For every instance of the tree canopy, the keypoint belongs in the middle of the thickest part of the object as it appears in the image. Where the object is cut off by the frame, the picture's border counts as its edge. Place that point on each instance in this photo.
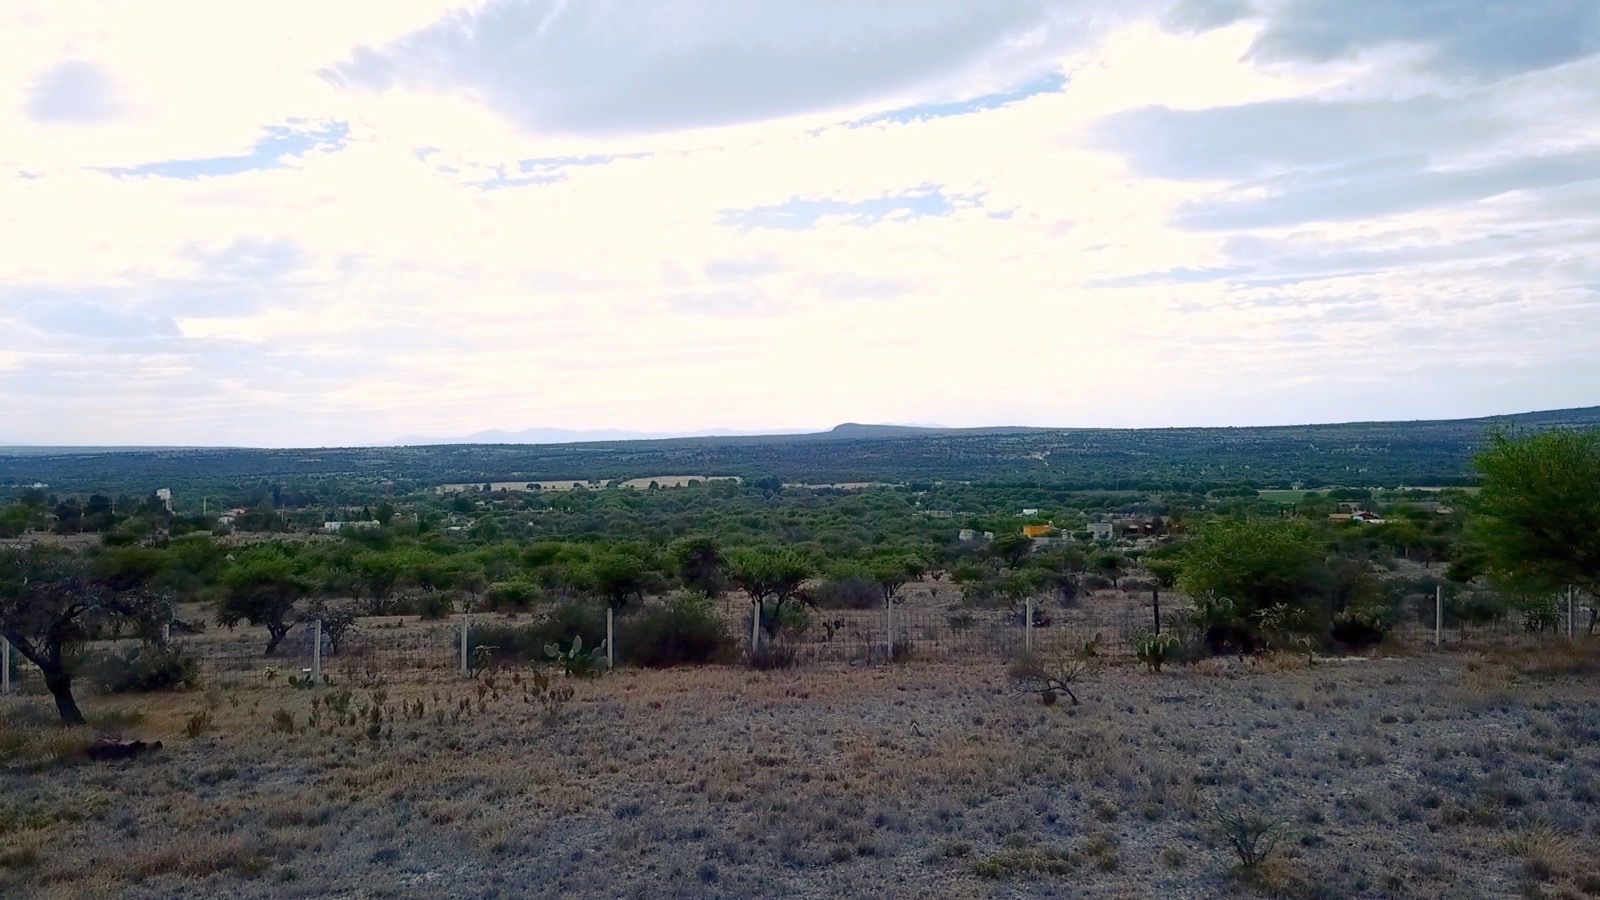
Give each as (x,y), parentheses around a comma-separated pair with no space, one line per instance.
(1537,517)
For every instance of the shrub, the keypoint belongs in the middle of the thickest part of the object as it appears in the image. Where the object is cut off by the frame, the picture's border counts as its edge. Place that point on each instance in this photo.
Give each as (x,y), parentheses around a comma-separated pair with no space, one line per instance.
(1048,677)
(573,619)
(1360,627)
(775,654)
(847,592)
(1221,627)
(685,631)
(519,644)
(1540,615)
(1479,608)
(435,605)
(1251,835)
(514,594)
(143,668)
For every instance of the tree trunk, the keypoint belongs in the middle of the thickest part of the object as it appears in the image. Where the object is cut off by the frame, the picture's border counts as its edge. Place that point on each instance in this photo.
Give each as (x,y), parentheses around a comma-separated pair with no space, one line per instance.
(59,681)
(275,637)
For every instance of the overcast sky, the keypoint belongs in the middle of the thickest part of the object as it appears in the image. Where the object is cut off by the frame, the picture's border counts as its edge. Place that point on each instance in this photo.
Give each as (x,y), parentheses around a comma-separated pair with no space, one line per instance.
(310,222)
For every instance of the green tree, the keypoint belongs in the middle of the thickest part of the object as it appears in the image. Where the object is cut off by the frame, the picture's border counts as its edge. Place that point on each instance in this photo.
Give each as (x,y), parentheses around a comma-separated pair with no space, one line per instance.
(1249,566)
(770,578)
(892,571)
(699,563)
(51,602)
(617,576)
(1537,516)
(1061,571)
(1011,548)
(264,583)
(1111,565)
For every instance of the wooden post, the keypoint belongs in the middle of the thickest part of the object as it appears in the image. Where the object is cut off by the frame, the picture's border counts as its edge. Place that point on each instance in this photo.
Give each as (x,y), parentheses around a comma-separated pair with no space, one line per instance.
(1438,615)
(464,644)
(611,640)
(1155,601)
(316,651)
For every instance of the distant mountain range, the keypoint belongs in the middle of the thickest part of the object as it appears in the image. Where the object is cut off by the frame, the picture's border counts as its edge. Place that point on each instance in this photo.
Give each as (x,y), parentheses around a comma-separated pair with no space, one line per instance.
(1359,453)
(845,431)
(564,436)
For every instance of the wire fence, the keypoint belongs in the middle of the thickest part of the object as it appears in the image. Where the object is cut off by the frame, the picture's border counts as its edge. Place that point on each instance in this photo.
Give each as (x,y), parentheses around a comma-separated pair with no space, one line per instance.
(871,636)
(396,646)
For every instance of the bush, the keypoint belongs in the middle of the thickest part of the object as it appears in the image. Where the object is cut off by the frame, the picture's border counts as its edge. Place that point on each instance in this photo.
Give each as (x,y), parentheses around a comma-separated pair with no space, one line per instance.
(143,668)
(574,618)
(506,644)
(1097,583)
(1477,609)
(1220,626)
(685,631)
(1360,627)
(847,592)
(435,605)
(514,594)
(775,654)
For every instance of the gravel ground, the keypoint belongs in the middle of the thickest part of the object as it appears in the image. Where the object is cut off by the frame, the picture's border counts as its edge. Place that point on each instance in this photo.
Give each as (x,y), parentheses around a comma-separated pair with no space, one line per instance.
(1463,774)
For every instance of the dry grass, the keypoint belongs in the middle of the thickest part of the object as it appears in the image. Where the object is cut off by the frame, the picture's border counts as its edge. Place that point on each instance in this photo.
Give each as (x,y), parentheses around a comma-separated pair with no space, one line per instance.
(1431,776)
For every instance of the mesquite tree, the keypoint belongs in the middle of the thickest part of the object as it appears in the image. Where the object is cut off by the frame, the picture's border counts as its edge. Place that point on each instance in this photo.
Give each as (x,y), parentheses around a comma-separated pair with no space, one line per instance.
(51,603)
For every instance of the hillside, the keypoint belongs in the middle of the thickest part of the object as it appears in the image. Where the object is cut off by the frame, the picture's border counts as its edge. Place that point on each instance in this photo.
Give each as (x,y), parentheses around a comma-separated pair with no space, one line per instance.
(1366,453)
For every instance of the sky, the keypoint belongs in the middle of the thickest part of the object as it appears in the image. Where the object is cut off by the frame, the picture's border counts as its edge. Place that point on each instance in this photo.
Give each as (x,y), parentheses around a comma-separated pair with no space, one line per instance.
(310,223)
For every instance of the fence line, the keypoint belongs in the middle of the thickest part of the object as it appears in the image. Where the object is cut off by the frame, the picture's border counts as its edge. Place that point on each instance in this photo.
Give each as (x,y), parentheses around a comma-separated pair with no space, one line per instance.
(389,646)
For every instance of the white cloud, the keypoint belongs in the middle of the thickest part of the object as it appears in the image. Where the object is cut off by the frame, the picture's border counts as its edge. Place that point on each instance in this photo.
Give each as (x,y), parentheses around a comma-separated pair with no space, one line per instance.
(1224,221)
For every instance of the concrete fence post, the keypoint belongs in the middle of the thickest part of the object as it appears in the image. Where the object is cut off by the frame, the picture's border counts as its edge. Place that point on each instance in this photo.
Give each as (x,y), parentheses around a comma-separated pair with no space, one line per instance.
(316,650)
(611,639)
(755,627)
(464,644)
(888,628)
(1027,627)
(1438,615)
(5,666)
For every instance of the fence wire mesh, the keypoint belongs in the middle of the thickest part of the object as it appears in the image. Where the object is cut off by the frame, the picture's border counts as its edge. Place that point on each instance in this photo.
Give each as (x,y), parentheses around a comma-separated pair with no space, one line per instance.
(391,646)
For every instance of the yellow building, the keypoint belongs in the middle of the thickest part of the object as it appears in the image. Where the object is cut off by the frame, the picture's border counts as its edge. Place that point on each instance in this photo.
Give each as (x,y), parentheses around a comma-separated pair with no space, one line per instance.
(1033,531)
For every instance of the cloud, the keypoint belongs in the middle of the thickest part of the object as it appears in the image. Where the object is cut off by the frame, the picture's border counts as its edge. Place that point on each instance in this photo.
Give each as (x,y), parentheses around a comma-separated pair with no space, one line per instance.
(84,319)
(257,255)
(252,258)
(1484,38)
(1246,140)
(1045,84)
(637,66)
(1386,188)
(277,146)
(1194,16)
(741,268)
(802,213)
(72,92)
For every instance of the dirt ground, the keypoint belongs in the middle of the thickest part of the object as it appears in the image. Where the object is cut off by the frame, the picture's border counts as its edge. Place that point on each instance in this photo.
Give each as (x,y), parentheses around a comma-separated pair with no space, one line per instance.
(1470,773)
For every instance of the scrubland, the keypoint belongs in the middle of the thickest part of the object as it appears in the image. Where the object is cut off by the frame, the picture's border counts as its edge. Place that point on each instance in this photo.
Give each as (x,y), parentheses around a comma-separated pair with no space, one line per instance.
(1468,773)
